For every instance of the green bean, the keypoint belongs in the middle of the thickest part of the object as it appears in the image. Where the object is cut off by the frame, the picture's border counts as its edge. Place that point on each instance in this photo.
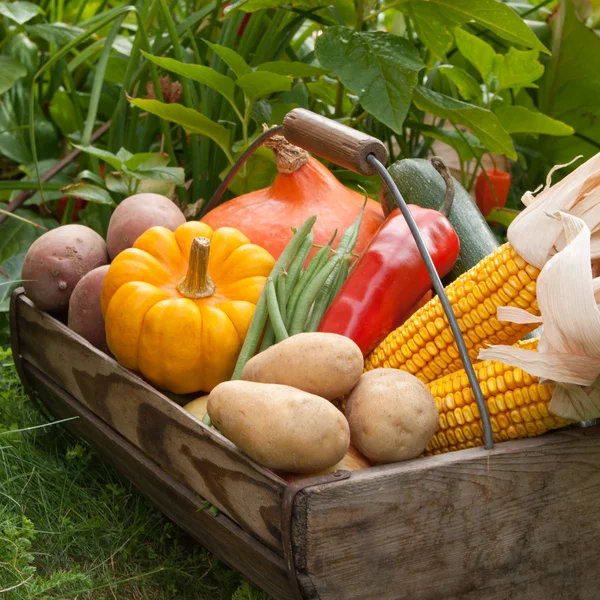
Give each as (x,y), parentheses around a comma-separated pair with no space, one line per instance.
(320,304)
(297,265)
(282,291)
(314,266)
(259,319)
(343,275)
(274,313)
(268,338)
(311,290)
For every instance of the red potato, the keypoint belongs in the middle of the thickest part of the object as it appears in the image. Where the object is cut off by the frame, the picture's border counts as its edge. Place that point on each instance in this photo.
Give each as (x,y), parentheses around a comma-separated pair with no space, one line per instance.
(135,215)
(85,316)
(56,262)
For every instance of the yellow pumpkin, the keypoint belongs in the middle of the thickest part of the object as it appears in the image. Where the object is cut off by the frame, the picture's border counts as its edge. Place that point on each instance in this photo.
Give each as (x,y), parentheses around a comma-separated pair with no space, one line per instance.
(177,306)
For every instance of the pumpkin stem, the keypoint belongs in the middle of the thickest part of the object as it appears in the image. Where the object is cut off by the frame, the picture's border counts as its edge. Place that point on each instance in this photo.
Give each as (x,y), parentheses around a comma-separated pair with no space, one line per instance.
(197,283)
(289,157)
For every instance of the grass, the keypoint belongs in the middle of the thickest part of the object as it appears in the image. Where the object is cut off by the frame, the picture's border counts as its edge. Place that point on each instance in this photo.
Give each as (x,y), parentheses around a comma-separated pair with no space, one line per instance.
(72,527)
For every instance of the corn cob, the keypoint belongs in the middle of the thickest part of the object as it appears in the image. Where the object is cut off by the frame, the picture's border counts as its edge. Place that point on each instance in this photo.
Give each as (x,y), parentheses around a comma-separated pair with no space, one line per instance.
(424,344)
(517,402)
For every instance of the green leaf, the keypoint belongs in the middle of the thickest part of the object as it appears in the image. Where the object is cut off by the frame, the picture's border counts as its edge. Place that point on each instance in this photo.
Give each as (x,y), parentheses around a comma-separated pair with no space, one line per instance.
(90,192)
(89,176)
(116,182)
(326,93)
(171,174)
(467,86)
(518,119)
(231,58)
(261,84)
(518,68)
(570,87)
(479,53)
(466,144)
(380,68)
(62,110)
(10,70)
(107,157)
(483,123)
(192,121)
(436,19)
(19,12)
(291,68)
(200,73)
(147,160)
(250,6)
(124,155)
(55,33)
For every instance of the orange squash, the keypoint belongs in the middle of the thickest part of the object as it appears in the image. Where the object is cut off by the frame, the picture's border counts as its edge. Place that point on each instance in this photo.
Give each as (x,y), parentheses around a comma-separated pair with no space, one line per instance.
(302,188)
(177,306)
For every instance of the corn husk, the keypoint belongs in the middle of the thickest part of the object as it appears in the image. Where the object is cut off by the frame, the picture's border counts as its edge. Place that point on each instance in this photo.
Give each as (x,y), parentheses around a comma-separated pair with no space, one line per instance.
(568,353)
(537,238)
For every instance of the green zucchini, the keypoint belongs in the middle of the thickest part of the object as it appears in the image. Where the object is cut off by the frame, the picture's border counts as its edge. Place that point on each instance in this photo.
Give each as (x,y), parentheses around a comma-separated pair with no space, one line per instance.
(420,184)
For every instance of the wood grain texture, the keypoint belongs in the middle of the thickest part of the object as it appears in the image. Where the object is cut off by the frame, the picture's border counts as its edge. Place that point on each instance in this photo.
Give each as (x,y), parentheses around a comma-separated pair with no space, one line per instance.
(521,522)
(333,141)
(185,448)
(218,534)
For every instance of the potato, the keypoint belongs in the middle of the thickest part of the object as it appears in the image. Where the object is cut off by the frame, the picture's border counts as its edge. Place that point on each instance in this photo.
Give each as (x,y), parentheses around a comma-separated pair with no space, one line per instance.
(279,426)
(392,415)
(198,407)
(353,460)
(57,260)
(135,215)
(85,316)
(325,364)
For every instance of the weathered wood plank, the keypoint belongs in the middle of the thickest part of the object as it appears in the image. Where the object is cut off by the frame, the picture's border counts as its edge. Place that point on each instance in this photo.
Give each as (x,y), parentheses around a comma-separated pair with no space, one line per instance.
(519,522)
(183,446)
(219,534)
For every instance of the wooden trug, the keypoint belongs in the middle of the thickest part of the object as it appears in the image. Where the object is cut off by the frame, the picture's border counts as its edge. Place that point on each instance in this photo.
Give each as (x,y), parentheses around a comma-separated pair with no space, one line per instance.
(520,522)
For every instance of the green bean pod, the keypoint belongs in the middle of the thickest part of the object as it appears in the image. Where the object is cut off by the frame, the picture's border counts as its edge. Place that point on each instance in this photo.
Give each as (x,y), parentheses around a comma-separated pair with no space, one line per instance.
(274,313)
(282,291)
(259,319)
(295,270)
(268,337)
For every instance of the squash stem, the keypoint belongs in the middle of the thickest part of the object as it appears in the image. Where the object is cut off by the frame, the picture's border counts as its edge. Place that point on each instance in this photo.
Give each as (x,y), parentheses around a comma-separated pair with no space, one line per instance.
(197,283)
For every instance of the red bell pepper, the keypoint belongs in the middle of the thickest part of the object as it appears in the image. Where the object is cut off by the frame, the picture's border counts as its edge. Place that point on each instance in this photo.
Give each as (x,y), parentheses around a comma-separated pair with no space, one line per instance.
(390,277)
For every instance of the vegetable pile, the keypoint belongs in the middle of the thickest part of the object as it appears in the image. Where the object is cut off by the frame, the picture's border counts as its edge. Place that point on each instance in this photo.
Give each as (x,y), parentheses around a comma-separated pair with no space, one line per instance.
(304,314)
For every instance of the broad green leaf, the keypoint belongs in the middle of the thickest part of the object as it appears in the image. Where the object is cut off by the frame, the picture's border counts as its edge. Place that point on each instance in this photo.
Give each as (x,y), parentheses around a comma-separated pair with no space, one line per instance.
(479,53)
(171,174)
(124,155)
(435,21)
(192,121)
(62,110)
(147,160)
(380,68)
(10,70)
(518,68)
(231,58)
(465,143)
(518,119)
(89,176)
(326,93)
(55,33)
(291,68)
(467,86)
(117,183)
(200,73)
(482,123)
(96,217)
(88,191)
(107,157)
(19,12)
(570,88)
(261,84)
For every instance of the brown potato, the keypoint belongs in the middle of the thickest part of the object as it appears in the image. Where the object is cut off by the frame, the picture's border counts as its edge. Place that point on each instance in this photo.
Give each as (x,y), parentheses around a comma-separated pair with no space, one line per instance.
(135,215)
(392,415)
(56,262)
(85,316)
(325,364)
(280,427)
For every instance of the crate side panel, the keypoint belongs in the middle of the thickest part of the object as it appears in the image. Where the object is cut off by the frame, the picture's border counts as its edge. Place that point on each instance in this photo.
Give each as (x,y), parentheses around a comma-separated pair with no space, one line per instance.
(191,452)
(521,522)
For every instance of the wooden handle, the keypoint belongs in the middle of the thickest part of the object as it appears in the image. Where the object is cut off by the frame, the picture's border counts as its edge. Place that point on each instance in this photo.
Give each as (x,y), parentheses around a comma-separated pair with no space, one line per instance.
(333,141)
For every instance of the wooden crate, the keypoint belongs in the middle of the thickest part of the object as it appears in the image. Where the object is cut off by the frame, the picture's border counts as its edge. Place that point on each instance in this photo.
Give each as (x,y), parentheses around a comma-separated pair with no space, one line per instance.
(519,522)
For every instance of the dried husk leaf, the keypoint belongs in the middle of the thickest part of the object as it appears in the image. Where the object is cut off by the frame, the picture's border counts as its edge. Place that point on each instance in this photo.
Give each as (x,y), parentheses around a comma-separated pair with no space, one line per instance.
(577,194)
(568,353)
